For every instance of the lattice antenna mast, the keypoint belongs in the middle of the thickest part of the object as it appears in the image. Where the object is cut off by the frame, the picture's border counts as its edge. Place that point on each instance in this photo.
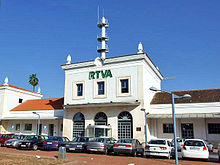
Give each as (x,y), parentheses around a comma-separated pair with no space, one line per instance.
(103,24)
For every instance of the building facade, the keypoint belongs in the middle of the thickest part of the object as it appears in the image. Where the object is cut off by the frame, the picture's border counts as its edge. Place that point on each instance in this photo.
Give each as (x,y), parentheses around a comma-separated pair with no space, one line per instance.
(107,100)
(16,112)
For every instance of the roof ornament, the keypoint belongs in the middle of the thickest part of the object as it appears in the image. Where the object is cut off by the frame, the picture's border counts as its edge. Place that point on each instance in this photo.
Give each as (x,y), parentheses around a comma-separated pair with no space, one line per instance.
(140,48)
(98,61)
(68,59)
(6,81)
(38,90)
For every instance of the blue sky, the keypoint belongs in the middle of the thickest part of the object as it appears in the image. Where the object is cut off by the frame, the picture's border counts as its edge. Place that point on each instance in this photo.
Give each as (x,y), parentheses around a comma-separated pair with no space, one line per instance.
(181,37)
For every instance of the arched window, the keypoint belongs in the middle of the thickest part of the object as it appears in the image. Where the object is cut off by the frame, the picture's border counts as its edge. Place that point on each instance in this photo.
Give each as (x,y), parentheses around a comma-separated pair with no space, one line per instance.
(78,125)
(125,125)
(100,119)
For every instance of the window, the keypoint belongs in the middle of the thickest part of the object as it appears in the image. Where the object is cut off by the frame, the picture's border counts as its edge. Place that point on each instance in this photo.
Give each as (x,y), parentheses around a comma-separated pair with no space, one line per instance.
(79,89)
(125,125)
(124,86)
(101,88)
(167,128)
(28,127)
(78,125)
(214,128)
(20,100)
(17,127)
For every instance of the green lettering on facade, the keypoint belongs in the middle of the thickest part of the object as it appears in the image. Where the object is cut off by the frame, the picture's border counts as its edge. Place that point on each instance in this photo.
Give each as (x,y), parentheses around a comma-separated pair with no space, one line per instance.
(108,73)
(91,75)
(96,74)
(103,74)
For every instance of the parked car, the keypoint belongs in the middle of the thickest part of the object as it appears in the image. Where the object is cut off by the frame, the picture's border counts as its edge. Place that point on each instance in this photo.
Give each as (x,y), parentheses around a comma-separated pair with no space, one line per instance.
(195,148)
(4,137)
(159,147)
(180,142)
(54,142)
(32,142)
(209,145)
(219,152)
(101,144)
(128,146)
(78,144)
(14,142)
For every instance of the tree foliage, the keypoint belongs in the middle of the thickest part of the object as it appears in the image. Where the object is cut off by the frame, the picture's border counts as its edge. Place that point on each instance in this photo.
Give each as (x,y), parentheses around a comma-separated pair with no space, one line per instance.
(33,80)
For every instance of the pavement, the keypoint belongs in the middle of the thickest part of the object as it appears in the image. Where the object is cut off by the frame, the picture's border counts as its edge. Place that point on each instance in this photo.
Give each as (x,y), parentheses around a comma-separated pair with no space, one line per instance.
(100,159)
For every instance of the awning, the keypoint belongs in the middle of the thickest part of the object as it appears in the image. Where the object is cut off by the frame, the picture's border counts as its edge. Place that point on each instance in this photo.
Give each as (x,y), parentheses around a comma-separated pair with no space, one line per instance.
(105,104)
(185,115)
(99,126)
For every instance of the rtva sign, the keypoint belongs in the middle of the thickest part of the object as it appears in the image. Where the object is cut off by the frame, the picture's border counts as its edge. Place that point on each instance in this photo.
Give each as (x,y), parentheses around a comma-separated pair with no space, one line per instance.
(100,74)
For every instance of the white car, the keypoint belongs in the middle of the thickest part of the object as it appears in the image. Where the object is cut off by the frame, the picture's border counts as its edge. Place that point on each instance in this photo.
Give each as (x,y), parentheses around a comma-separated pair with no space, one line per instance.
(158,147)
(195,148)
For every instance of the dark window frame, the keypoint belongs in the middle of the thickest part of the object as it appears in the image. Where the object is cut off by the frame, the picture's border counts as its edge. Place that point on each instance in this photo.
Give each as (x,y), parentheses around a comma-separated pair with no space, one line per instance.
(17,127)
(101,88)
(28,127)
(124,85)
(79,87)
(167,128)
(213,128)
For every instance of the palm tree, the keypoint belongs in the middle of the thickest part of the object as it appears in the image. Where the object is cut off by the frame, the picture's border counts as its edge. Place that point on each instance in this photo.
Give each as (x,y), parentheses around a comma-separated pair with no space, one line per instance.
(33,80)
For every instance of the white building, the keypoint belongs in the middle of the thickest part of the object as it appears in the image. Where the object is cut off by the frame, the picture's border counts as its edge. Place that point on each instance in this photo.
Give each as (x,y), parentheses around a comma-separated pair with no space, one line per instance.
(197,117)
(16,111)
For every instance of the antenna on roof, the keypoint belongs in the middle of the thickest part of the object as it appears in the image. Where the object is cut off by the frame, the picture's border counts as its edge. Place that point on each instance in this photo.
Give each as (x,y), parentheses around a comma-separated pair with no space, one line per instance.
(103,38)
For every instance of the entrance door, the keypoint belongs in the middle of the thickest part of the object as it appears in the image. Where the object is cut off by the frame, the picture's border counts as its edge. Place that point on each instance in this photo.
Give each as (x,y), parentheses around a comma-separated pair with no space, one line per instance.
(124,130)
(51,129)
(40,131)
(99,132)
(187,130)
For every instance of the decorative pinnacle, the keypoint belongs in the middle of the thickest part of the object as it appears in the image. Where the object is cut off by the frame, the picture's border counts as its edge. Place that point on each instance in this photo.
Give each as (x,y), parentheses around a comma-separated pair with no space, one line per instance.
(38,90)
(6,81)
(68,59)
(140,48)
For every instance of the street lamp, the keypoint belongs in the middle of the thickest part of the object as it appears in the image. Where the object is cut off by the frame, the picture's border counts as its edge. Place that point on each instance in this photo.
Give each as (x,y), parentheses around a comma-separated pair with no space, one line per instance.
(38,123)
(145,114)
(173,113)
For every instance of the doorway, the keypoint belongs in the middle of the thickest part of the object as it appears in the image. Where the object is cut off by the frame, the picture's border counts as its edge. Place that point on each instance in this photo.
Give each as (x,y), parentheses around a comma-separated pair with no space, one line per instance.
(51,129)
(187,131)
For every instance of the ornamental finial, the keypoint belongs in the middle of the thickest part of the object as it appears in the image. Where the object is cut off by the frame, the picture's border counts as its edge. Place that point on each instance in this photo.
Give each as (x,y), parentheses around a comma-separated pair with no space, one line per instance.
(140,48)
(68,59)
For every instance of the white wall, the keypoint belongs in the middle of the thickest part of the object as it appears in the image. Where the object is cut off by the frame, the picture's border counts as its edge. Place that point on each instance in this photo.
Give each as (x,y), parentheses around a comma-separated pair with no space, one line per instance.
(9,98)
(12,124)
(200,128)
(117,70)
(1,102)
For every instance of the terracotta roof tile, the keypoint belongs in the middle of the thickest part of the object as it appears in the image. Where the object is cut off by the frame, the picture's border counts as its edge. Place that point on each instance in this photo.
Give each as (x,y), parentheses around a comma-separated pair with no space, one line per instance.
(12,86)
(197,96)
(40,104)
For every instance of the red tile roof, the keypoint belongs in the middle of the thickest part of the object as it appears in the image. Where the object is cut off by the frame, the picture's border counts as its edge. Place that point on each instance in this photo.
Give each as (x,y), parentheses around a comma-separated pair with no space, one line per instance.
(12,86)
(40,104)
(197,96)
